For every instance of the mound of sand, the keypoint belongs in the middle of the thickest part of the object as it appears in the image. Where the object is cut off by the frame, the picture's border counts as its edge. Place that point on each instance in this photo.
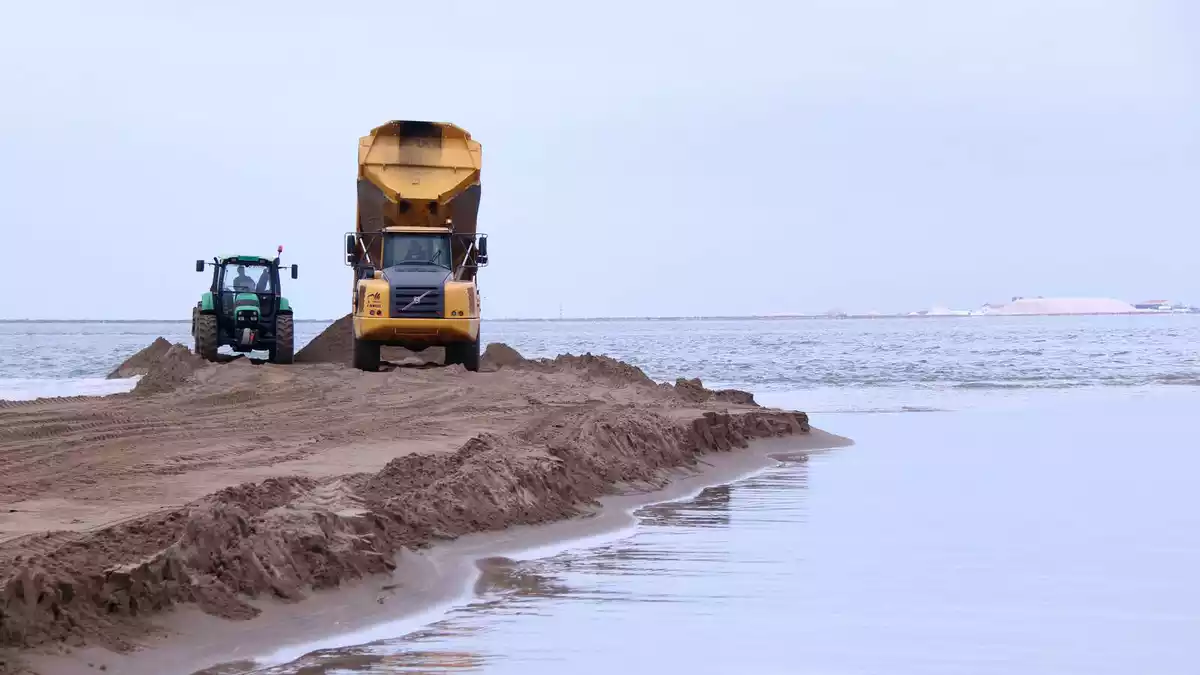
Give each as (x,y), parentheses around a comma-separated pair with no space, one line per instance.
(693,391)
(169,370)
(590,367)
(139,363)
(335,344)
(161,365)
(499,355)
(164,366)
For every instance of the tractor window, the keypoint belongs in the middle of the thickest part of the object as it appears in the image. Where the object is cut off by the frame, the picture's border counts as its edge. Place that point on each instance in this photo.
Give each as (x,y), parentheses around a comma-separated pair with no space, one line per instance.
(416,249)
(247,278)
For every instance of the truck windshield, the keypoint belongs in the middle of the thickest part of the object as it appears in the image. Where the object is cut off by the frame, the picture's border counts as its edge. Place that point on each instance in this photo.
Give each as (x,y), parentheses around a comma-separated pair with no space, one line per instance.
(247,277)
(416,249)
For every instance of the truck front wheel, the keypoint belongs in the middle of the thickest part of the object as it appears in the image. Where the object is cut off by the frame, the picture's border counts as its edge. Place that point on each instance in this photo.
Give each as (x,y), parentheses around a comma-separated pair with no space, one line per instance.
(471,356)
(466,353)
(366,355)
(206,336)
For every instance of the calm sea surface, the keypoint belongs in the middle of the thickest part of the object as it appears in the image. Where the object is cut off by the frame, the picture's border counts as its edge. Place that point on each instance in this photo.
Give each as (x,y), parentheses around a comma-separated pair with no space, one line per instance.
(1021,499)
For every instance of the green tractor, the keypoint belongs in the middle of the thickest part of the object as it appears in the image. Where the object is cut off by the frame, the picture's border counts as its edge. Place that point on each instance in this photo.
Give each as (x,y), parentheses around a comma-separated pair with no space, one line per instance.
(244,309)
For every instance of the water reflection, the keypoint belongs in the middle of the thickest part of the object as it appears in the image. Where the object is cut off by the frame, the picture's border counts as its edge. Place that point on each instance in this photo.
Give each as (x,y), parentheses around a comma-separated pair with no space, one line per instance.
(369,659)
(506,576)
(231,668)
(518,601)
(709,509)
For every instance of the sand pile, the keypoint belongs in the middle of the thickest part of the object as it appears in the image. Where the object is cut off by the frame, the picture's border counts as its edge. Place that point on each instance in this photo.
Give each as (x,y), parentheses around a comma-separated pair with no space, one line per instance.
(499,355)
(335,344)
(280,537)
(162,366)
(169,370)
(139,363)
(590,367)
(693,391)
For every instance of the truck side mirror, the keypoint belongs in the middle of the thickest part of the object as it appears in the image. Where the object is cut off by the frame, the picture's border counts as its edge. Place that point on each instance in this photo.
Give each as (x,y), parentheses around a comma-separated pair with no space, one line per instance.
(482,258)
(351,249)
(295,271)
(199,265)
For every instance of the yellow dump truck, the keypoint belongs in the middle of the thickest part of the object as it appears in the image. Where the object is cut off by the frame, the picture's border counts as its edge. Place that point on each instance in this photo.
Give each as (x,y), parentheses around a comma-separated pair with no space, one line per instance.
(415,250)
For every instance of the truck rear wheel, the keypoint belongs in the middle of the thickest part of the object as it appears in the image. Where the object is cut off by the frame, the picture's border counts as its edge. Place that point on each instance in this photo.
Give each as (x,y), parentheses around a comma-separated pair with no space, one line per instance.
(284,349)
(206,336)
(366,355)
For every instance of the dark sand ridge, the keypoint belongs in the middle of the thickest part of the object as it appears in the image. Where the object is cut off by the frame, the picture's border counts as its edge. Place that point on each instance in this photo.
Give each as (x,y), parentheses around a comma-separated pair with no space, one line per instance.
(212,485)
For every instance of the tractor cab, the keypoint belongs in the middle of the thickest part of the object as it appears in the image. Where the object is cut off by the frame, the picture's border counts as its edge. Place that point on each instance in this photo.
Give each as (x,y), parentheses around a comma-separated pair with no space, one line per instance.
(245,307)
(242,283)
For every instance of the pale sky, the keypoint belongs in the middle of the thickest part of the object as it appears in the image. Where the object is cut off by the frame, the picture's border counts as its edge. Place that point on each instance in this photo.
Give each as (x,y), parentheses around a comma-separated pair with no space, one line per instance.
(639,158)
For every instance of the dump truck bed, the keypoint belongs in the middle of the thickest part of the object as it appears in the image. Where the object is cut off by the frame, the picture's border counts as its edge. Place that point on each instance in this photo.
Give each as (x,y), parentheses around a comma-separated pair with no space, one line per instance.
(418,174)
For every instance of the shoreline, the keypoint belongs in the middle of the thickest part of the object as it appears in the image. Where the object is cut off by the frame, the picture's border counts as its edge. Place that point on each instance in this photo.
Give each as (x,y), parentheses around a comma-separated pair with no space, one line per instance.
(433,581)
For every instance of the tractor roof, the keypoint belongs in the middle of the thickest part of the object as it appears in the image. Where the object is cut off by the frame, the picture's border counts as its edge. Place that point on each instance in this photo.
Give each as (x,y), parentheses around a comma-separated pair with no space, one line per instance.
(250,259)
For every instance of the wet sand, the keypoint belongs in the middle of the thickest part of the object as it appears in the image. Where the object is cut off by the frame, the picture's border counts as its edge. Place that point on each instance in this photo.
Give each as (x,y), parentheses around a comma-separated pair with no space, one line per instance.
(233,491)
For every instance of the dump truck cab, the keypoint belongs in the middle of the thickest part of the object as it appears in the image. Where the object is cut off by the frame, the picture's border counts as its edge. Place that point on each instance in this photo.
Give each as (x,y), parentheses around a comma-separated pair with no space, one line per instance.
(244,308)
(415,250)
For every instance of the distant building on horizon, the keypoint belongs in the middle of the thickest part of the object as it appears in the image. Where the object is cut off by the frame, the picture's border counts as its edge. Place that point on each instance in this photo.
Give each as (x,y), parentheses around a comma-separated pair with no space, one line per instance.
(1155,305)
(1058,306)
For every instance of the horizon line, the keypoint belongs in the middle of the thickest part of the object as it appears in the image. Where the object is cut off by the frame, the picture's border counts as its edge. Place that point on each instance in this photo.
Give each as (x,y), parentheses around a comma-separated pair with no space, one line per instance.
(698,317)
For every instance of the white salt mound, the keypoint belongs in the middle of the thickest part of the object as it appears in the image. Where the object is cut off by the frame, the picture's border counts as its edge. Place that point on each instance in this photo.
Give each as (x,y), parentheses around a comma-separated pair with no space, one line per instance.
(1026,306)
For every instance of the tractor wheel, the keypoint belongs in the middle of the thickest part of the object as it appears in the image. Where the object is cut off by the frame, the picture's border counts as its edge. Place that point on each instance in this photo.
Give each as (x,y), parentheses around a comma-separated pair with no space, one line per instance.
(366,355)
(206,336)
(284,349)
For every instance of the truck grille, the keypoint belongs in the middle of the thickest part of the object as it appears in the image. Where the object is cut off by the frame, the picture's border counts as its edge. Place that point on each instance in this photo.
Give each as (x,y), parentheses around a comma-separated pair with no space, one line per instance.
(429,305)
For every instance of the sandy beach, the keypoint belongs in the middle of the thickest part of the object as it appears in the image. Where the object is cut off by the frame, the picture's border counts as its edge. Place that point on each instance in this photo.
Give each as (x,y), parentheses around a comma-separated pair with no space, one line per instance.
(215,497)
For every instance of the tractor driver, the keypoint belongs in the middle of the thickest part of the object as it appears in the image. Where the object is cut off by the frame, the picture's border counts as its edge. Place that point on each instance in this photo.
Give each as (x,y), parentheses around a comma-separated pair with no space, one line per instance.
(242,282)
